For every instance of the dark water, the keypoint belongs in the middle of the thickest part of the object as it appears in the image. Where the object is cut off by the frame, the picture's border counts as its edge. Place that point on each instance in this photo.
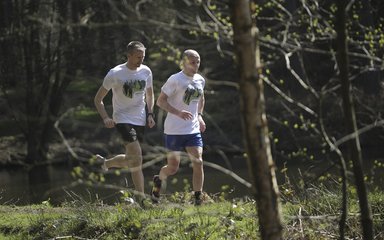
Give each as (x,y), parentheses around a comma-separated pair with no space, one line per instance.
(56,183)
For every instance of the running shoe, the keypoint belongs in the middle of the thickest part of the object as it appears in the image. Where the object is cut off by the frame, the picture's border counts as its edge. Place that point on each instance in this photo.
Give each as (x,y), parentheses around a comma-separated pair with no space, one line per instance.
(156,188)
(102,160)
(198,198)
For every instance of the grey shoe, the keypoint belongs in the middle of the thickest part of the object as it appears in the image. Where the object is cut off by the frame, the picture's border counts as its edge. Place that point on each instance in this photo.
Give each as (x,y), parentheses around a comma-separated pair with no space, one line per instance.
(102,160)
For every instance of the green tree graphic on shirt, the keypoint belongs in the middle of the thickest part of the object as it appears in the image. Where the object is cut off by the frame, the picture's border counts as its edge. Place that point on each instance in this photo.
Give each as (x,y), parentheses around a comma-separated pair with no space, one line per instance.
(191,93)
(132,87)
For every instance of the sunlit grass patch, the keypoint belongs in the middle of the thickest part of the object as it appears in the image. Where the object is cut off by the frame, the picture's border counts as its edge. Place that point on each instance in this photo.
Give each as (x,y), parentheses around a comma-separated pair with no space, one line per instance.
(176,218)
(86,113)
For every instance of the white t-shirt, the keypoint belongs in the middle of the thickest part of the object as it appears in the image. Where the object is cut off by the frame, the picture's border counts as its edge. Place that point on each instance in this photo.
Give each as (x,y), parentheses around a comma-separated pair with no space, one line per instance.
(183,93)
(128,88)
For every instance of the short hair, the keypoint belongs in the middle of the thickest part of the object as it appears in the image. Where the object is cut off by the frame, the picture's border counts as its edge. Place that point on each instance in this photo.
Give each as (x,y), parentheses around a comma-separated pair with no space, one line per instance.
(186,55)
(135,45)
(189,53)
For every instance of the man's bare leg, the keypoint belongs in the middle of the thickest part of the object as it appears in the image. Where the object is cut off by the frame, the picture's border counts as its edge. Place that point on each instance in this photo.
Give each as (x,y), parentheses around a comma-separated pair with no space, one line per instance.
(117,161)
(196,156)
(134,161)
(173,162)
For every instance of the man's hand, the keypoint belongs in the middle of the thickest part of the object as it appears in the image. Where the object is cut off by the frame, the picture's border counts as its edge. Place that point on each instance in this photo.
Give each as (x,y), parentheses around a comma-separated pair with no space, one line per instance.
(108,122)
(185,115)
(150,121)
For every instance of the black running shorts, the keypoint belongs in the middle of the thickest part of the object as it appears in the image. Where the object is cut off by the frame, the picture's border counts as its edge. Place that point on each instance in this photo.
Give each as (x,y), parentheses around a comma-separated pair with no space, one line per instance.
(130,132)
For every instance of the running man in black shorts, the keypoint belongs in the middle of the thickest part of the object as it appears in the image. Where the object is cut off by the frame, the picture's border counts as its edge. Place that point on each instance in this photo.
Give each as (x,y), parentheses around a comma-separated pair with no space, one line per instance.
(131,85)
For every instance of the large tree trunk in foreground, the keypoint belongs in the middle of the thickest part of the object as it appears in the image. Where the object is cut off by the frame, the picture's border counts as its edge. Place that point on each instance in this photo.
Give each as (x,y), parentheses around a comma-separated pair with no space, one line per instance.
(257,142)
(350,119)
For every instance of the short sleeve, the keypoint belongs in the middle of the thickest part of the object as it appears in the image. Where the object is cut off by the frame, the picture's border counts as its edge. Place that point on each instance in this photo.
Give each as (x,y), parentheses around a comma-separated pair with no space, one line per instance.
(149,80)
(108,80)
(169,86)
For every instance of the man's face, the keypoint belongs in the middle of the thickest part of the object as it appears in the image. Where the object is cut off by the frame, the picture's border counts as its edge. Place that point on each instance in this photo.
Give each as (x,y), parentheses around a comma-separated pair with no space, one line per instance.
(192,64)
(136,58)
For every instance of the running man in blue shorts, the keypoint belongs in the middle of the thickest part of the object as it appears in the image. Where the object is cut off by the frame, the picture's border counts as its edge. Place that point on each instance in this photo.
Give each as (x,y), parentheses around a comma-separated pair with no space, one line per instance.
(182,96)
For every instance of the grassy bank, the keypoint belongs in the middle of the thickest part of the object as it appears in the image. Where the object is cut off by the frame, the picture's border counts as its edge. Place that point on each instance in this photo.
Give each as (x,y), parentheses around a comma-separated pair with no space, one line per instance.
(314,216)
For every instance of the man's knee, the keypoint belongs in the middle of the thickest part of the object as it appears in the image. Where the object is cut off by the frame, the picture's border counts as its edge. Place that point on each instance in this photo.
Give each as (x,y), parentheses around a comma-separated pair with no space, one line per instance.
(133,161)
(198,162)
(173,162)
(173,168)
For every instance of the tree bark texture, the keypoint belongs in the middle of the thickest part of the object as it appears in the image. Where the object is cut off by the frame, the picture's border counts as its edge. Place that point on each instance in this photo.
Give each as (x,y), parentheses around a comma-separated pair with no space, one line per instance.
(255,129)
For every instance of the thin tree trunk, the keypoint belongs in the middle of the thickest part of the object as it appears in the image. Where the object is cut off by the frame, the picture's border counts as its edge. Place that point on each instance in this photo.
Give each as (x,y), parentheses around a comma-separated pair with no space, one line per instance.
(350,120)
(343,173)
(255,129)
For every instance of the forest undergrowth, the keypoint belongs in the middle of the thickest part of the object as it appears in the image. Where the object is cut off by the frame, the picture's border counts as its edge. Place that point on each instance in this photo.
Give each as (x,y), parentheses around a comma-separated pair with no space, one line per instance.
(313,214)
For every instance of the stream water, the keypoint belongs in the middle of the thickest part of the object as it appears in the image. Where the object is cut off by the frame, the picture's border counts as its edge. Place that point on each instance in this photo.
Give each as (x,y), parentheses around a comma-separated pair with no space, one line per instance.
(56,183)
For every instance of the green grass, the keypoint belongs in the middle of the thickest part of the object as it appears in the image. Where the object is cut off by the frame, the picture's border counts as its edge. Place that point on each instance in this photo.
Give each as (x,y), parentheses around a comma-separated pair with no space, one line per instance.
(216,219)
(168,221)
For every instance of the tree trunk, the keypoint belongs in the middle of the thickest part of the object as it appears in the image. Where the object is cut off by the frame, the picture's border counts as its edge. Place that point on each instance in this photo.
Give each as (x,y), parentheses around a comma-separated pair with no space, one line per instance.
(46,65)
(259,158)
(350,119)
(34,74)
